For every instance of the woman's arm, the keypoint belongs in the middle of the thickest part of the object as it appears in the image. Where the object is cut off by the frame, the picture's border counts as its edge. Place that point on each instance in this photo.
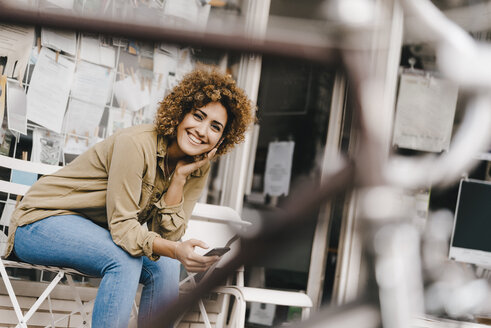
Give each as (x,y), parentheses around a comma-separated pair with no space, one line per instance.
(123,196)
(183,168)
(171,220)
(184,251)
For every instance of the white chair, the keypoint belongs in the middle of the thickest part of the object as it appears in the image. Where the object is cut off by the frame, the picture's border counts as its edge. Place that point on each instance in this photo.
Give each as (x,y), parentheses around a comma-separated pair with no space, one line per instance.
(11,188)
(216,225)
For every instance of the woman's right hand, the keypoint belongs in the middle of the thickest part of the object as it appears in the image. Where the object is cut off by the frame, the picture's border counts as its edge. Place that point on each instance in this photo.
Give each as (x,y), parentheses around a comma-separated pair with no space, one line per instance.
(192,261)
(186,167)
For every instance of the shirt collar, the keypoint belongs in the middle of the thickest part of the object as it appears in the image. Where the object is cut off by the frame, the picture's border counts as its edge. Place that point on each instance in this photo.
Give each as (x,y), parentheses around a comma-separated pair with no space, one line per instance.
(162,142)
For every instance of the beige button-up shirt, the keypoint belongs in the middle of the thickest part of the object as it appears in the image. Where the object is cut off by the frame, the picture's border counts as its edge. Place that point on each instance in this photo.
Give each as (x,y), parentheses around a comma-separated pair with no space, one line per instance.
(118,183)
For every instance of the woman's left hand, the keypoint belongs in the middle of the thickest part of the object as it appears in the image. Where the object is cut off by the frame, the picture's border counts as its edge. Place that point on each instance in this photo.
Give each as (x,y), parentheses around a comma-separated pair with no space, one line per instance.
(193,262)
(185,168)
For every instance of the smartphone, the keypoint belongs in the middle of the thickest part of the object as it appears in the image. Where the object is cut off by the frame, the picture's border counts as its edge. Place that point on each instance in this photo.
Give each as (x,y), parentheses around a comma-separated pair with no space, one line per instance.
(217,251)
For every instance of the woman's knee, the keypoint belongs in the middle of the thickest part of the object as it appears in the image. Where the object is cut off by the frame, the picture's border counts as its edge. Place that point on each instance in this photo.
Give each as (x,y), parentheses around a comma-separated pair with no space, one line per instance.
(165,271)
(122,262)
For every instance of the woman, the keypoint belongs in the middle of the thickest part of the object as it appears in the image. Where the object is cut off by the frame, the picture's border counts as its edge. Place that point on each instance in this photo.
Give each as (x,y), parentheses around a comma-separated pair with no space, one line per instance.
(119,210)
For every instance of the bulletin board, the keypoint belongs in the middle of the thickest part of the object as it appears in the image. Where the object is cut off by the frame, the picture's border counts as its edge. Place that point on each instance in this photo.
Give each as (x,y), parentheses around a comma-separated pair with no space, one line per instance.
(75,89)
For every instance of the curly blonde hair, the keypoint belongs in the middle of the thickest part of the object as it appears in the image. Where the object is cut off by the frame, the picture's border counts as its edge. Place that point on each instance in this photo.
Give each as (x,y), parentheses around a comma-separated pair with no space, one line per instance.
(199,88)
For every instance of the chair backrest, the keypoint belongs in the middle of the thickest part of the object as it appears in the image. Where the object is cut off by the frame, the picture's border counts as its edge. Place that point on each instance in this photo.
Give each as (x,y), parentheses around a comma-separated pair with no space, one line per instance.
(15,164)
(215,225)
(18,184)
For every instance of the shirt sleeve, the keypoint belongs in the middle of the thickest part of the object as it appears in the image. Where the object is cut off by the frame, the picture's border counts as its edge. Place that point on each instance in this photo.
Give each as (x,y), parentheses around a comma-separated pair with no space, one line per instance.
(172,220)
(122,200)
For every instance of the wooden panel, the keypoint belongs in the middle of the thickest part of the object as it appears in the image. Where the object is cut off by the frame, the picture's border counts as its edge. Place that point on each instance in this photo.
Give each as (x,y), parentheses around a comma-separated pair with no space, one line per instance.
(41,319)
(61,292)
(25,303)
(201,325)
(27,293)
(181,325)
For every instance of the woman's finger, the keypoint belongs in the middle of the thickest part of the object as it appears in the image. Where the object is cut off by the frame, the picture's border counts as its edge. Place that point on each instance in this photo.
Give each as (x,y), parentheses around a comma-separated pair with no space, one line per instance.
(209,156)
(197,264)
(212,154)
(187,168)
(208,259)
(197,267)
(202,260)
(196,242)
(201,162)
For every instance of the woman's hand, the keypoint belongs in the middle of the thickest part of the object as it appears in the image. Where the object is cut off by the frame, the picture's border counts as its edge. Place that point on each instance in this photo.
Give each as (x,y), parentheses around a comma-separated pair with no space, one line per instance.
(185,168)
(192,261)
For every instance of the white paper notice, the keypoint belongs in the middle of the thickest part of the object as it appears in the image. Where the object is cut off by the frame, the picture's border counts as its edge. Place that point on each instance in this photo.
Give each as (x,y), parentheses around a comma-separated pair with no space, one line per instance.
(59,40)
(262,313)
(89,49)
(184,63)
(118,119)
(83,118)
(425,113)
(65,4)
(278,168)
(75,145)
(92,83)
(46,146)
(3,243)
(130,95)
(182,9)
(16,108)
(7,212)
(156,96)
(92,51)
(3,92)
(16,44)
(34,56)
(107,56)
(47,96)
(164,62)
(203,13)
(172,81)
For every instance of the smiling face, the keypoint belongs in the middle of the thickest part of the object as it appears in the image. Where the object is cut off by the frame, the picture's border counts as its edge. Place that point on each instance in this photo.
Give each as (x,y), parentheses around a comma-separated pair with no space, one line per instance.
(201,129)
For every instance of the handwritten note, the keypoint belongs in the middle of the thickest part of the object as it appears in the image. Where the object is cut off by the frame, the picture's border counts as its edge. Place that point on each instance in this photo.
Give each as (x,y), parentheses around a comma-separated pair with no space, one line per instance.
(424,113)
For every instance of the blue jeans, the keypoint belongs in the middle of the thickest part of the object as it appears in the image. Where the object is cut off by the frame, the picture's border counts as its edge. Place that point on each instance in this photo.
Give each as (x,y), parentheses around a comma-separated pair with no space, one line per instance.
(76,242)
